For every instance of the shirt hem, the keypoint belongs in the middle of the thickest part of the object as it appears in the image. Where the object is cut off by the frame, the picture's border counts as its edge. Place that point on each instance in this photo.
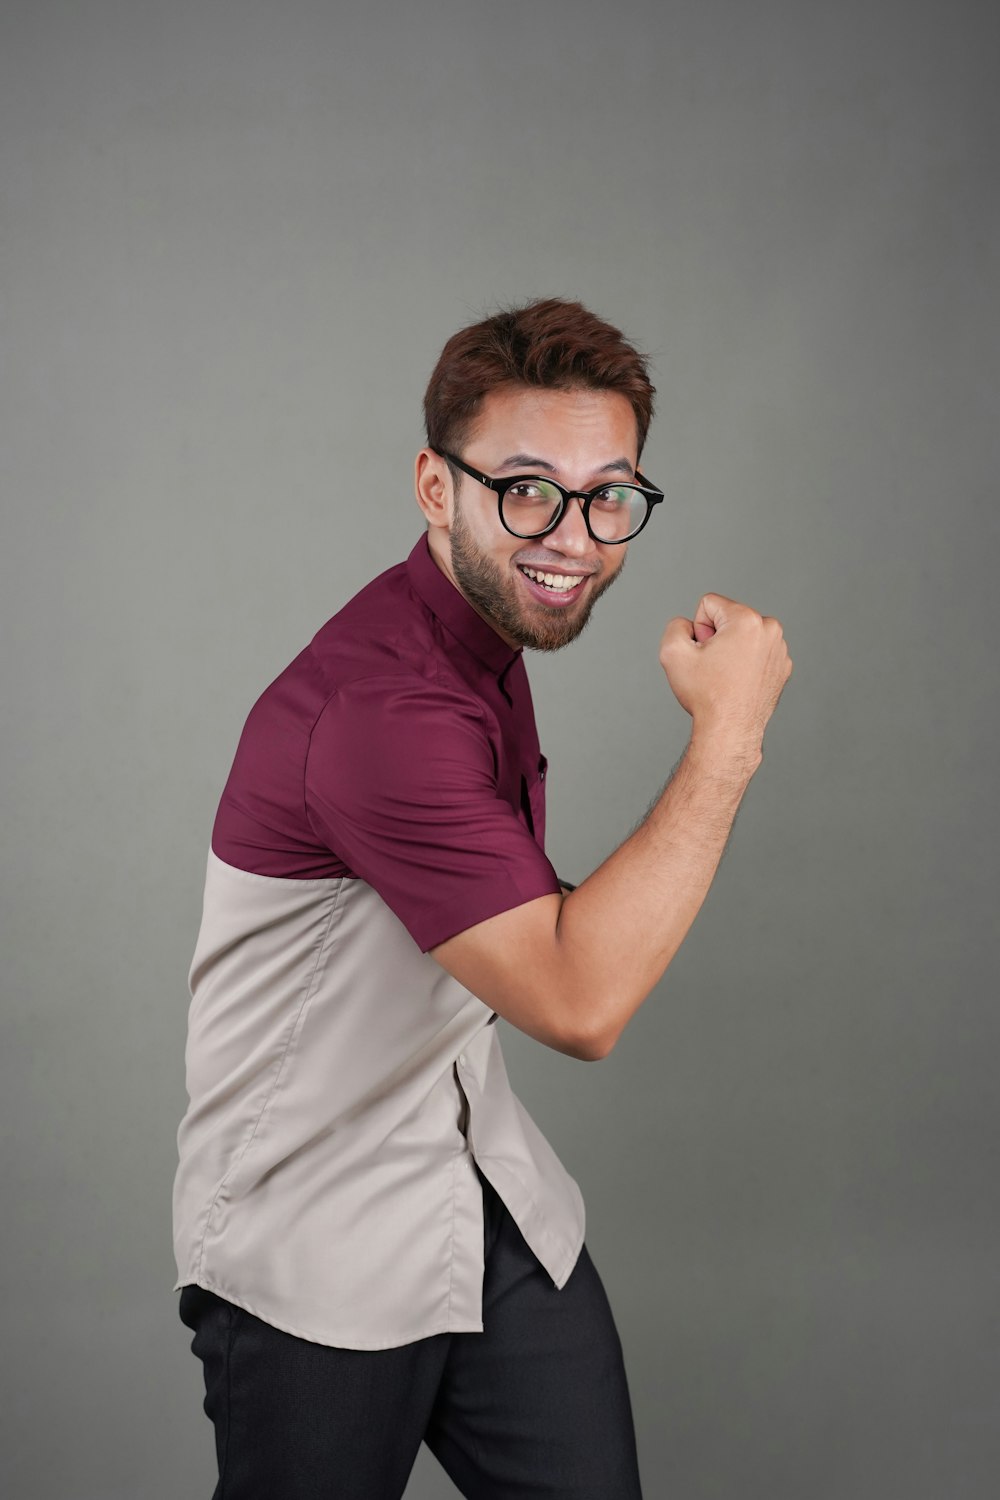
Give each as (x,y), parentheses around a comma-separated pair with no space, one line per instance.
(333,1340)
(448,922)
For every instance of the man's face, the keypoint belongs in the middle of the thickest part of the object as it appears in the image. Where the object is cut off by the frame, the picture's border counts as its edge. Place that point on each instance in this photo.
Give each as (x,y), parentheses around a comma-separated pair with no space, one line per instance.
(579,438)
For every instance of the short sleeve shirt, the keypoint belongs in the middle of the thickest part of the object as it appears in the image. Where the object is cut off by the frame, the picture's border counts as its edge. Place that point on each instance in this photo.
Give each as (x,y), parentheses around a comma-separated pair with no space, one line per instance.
(387,793)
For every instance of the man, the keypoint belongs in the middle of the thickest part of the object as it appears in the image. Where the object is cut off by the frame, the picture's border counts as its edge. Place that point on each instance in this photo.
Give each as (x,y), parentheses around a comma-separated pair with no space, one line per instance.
(375,1243)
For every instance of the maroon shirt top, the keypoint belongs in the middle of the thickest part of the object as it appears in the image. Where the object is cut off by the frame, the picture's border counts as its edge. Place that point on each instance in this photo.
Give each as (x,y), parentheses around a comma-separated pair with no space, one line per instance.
(399,748)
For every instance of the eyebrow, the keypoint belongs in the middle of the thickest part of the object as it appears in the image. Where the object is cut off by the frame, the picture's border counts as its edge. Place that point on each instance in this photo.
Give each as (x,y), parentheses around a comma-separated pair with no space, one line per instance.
(526,461)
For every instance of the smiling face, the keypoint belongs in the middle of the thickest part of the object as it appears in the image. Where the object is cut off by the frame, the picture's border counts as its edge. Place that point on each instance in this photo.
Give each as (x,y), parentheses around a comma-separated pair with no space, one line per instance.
(578,437)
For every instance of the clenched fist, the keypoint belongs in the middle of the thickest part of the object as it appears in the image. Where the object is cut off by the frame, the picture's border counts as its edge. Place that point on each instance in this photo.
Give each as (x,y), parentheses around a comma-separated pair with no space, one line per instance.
(727,668)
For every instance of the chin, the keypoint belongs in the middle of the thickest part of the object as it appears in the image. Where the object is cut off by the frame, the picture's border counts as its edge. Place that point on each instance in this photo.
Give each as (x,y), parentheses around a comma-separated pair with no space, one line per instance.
(547,634)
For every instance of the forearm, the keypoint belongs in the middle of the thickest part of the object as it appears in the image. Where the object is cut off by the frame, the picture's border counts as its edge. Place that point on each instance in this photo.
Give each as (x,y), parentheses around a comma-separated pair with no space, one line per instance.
(572,968)
(619,930)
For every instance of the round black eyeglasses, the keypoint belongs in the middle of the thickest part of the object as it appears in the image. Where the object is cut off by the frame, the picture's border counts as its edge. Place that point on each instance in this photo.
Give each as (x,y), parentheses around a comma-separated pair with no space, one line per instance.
(532,506)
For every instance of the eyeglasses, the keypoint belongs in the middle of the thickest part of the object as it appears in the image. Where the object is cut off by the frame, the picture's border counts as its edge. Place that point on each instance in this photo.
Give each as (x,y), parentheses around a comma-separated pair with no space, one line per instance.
(532,506)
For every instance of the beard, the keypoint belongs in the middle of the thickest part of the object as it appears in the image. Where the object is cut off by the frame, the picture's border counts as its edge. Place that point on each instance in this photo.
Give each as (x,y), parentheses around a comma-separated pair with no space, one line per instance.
(495,594)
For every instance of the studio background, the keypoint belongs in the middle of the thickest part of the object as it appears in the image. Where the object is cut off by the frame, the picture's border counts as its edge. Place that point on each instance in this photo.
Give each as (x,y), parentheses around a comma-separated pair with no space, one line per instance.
(233,238)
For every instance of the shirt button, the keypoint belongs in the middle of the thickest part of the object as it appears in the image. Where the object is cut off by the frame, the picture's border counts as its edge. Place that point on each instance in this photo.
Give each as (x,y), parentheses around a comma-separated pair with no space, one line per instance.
(461,1059)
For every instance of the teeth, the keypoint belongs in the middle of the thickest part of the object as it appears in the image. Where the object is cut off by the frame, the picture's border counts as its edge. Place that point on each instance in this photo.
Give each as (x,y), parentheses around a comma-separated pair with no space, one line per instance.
(561,582)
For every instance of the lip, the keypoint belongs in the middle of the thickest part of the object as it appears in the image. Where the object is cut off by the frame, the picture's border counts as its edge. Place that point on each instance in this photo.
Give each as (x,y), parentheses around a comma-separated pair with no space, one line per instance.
(547,597)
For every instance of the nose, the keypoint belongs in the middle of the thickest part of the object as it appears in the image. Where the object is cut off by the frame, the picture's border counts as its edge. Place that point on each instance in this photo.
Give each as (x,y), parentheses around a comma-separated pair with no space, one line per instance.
(571,536)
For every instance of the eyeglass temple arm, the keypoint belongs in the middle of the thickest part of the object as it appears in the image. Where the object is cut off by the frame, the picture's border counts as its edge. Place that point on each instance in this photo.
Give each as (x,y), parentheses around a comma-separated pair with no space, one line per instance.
(453,458)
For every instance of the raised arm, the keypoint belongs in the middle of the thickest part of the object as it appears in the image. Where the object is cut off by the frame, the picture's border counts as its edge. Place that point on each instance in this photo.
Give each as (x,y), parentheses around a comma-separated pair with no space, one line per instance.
(572,970)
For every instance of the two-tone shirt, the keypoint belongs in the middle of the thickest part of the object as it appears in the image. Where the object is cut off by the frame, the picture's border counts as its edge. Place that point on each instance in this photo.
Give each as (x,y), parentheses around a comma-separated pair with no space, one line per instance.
(387,792)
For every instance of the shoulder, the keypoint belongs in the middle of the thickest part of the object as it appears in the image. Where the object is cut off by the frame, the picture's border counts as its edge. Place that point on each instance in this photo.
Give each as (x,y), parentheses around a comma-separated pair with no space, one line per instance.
(392,722)
(386,634)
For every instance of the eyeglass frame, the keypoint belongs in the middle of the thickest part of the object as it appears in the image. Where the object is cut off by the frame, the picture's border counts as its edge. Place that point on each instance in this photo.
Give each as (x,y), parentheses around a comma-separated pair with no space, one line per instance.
(649,492)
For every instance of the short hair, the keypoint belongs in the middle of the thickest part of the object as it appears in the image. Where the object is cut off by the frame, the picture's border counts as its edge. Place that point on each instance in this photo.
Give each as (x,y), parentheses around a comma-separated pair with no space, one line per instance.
(551,344)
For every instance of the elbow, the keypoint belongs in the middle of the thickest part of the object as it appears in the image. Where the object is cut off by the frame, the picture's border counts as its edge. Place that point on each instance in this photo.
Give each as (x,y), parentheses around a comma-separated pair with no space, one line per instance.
(594,1050)
(590,1043)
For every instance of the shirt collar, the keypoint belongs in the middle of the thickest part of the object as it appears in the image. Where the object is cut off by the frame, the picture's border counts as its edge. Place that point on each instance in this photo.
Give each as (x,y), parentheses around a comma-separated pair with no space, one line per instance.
(455,612)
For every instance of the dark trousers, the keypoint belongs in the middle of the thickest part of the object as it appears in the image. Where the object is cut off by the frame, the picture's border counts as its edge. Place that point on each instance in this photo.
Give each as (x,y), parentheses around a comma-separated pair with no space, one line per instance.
(536,1405)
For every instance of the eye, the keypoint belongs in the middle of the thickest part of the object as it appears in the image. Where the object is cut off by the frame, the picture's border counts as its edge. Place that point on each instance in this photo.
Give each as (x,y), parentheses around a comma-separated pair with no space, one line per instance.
(615,497)
(530,489)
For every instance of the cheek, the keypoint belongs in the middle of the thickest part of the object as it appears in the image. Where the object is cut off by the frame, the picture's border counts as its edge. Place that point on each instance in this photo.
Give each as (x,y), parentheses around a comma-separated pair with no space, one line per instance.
(491,539)
(502,550)
(614,559)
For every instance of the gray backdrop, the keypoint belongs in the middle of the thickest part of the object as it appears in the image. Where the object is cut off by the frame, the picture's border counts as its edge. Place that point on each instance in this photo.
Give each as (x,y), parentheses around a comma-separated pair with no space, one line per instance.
(234,237)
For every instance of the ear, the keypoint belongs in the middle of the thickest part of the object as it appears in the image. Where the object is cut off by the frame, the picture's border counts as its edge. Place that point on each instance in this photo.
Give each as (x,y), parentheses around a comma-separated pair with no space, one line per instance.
(434,488)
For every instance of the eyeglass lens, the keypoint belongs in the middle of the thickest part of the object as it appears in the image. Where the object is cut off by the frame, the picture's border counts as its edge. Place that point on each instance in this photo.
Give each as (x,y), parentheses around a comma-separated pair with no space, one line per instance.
(615,512)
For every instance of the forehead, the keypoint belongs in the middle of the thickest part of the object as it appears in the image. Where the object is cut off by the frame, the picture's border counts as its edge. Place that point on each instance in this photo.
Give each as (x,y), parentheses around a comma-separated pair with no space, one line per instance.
(563,427)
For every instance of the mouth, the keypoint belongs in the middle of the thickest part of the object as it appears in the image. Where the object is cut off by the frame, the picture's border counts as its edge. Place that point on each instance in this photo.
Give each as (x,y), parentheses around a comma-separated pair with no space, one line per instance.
(557,590)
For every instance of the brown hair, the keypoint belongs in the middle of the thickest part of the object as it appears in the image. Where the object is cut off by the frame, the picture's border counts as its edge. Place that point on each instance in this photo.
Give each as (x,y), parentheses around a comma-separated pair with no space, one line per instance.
(554,344)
